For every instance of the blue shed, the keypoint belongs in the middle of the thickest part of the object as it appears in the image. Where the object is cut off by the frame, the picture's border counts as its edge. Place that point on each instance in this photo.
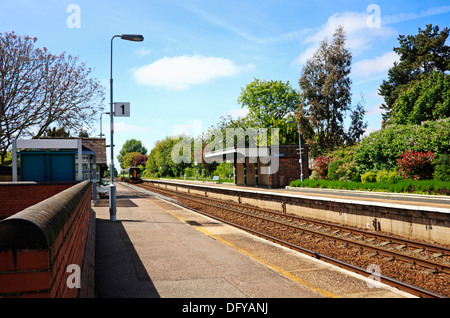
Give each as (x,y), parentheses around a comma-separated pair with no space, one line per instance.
(47,165)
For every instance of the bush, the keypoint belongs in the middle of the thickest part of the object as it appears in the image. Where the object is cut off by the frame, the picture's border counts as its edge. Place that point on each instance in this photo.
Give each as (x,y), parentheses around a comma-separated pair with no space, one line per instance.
(332,168)
(223,170)
(402,186)
(442,168)
(381,149)
(348,171)
(321,166)
(416,165)
(189,172)
(385,176)
(369,176)
(313,175)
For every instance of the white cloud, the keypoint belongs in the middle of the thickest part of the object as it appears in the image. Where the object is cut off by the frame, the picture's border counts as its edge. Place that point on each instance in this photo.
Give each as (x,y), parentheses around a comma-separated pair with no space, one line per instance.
(391,19)
(373,67)
(189,128)
(142,52)
(235,113)
(181,72)
(121,127)
(359,34)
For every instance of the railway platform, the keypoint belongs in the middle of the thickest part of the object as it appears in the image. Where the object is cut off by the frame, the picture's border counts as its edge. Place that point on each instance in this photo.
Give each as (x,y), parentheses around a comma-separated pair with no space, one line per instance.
(156,249)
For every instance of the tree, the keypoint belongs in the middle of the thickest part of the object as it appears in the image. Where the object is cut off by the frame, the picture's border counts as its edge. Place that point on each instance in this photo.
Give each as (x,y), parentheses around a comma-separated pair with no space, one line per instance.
(270,103)
(326,98)
(426,99)
(39,90)
(419,54)
(357,125)
(131,145)
(130,158)
(140,160)
(160,158)
(60,132)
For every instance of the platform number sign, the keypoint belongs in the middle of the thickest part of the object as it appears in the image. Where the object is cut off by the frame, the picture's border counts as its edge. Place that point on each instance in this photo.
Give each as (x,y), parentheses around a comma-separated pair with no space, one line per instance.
(122,109)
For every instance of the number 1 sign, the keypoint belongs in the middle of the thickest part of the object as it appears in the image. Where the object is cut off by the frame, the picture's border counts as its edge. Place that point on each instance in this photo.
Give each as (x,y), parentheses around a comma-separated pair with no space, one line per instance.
(121,109)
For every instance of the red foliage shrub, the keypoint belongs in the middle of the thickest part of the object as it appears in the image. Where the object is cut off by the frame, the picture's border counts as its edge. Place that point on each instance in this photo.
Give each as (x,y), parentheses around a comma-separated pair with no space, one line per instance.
(140,160)
(321,166)
(416,165)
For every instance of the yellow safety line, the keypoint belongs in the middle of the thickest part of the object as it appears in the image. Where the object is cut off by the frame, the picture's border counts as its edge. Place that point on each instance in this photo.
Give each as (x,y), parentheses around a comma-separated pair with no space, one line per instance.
(257,258)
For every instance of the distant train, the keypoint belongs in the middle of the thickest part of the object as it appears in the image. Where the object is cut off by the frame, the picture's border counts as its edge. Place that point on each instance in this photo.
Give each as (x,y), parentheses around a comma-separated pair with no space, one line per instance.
(132,175)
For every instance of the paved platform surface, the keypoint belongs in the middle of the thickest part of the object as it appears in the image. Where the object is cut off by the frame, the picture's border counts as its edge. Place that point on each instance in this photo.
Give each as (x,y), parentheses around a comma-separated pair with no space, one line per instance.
(158,250)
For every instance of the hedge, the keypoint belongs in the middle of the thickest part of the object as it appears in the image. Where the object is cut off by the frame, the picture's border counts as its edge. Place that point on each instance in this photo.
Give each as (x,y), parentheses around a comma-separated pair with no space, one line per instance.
(381,149)
(402,186)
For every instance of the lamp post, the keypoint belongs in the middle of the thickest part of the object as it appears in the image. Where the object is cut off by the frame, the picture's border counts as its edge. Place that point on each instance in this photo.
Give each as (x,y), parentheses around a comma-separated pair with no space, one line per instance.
(104,113)
(299,148)
(112,186)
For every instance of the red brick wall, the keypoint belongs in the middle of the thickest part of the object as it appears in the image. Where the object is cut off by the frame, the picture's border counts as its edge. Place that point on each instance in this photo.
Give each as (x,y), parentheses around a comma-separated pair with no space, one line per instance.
(42,272)
(289,166)
(15,197)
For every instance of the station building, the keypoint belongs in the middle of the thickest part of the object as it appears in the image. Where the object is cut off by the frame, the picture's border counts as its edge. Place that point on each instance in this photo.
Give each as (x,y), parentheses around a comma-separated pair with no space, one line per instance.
(58,159)
(266,167)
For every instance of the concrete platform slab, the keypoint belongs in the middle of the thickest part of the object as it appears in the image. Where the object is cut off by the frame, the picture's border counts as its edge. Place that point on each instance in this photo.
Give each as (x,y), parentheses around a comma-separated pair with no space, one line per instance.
(157,249)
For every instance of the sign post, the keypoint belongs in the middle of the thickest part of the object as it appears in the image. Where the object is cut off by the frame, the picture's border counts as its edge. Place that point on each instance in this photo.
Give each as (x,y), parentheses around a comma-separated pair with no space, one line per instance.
(121,109)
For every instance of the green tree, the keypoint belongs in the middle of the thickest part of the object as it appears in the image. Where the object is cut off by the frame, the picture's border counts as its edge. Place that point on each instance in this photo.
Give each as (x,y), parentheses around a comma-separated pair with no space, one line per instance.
(270,104)
(423,53)
(161,161)
(131,145)
(381,149)
(129,159)
(326,98)
(60,132)
(427,99)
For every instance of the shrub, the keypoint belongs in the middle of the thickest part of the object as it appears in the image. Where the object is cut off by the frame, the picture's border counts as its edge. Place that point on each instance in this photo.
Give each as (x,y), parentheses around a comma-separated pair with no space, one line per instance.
(416,165)
(442,168)
(385,176)
(348,171)
(332,169)
(140,160)
(313,175)
(406,186)
(369,176)
(321,166)
(189,172)
(381,149)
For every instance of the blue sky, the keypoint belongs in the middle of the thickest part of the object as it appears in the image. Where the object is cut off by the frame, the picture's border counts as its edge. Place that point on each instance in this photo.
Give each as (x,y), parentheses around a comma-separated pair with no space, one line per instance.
(197,55)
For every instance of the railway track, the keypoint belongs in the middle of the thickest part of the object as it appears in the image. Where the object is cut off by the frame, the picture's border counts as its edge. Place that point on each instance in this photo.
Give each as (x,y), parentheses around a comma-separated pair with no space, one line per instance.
(419,268)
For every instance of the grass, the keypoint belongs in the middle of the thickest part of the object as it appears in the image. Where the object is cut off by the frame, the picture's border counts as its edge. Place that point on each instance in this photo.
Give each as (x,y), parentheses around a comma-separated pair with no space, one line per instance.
(402,186)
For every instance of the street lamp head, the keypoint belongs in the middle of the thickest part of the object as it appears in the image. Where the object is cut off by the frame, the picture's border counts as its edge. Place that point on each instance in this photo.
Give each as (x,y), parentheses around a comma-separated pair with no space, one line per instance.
(132,37)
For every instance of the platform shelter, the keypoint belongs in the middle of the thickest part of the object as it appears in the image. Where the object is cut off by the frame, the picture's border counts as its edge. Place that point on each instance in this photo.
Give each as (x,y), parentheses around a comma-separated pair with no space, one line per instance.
(270,167)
